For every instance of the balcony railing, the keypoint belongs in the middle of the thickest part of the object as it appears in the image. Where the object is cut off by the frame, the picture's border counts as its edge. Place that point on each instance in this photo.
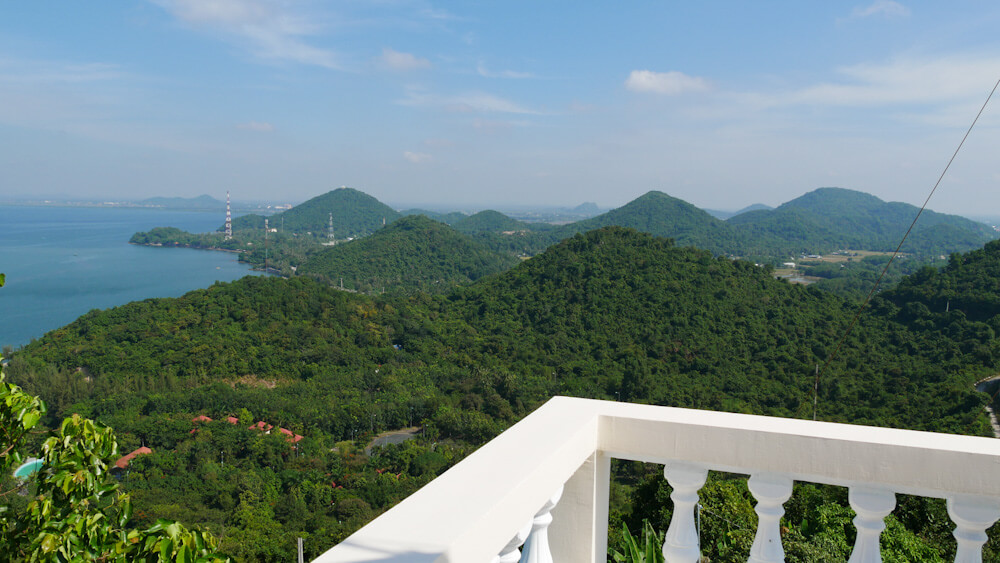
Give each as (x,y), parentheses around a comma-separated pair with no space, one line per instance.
(546,479)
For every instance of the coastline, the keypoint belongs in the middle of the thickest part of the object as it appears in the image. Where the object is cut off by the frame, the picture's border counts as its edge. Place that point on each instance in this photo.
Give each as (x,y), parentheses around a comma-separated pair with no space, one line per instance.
(191,246)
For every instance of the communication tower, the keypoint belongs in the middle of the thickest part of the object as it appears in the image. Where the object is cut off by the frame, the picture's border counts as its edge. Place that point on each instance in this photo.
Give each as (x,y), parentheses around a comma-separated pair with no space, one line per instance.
(330,234)
(229,218)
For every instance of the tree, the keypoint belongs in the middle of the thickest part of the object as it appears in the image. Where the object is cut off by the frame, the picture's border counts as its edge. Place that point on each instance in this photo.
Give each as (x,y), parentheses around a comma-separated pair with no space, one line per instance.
(78,513)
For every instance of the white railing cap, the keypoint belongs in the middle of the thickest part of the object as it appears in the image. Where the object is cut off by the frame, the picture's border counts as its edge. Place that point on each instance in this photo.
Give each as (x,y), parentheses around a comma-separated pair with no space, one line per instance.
(479,504)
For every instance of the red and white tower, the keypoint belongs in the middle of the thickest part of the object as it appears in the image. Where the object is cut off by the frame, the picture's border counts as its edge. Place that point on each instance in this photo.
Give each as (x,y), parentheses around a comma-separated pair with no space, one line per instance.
(229,219)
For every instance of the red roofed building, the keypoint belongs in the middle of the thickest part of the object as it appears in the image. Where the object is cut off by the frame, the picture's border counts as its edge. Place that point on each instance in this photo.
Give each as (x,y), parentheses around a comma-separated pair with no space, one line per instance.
(262,426)
(292,437)
(123,461)
(232,420)
(201,418)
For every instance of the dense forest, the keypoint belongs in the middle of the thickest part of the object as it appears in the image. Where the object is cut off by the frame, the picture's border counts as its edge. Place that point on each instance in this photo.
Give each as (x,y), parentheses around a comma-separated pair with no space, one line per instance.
(612,313)
(821,221)
(354,214)
(412,254)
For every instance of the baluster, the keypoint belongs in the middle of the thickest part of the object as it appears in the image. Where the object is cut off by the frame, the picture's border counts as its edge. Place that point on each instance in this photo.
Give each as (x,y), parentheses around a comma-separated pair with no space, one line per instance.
(872,506)
(536,549)
(681,544)
(771,492)
(972,516)
(510,553)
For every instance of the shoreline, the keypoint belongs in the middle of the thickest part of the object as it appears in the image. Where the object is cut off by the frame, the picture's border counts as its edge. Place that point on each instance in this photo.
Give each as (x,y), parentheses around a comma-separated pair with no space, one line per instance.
(190,246)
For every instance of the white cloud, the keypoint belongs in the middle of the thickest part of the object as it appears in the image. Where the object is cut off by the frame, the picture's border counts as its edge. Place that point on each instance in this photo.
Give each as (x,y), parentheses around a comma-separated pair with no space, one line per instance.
(670,83)
(902,81)
(40,72)
(884,8)
(484,72)
(396,60)
(267,27)
(416,157)
(259,126)
(472,102)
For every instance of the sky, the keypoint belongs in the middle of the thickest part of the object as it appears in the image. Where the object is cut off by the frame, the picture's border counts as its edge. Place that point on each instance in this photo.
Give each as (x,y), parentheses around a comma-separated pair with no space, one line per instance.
(469,105)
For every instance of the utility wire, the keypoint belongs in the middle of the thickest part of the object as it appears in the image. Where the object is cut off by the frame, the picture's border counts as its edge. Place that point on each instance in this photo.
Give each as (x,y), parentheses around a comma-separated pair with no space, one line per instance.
(864,305)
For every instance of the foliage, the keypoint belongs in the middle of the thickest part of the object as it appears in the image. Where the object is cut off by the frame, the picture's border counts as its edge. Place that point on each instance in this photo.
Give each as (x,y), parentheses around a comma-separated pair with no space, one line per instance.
(78,512)
(646,549)
(413,254)
(829,219)
(354,214)
(489,221)
(611,313)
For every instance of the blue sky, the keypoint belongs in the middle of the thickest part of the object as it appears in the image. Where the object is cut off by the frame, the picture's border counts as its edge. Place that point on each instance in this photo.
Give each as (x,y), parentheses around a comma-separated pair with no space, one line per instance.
(479,104)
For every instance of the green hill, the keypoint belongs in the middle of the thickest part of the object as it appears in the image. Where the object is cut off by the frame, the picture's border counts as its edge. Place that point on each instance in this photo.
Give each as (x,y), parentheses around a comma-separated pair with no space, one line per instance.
(661,215)
(968,287)
(355,214)
(413,254)
(490,221)
(449,218)
(612,313)
(833,218)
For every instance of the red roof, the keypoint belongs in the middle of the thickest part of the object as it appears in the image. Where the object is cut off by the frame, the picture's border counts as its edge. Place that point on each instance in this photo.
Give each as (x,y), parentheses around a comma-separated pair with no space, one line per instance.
(261,425)
(292,437)
(201,418)
(232,420)
(123,461)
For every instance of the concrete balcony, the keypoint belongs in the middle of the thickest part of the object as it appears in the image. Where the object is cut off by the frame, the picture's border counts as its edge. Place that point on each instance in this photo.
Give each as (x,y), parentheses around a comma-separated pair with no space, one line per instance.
(483,509)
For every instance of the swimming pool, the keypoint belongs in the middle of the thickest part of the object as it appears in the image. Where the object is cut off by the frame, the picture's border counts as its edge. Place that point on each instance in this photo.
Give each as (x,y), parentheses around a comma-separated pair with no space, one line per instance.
(26,469)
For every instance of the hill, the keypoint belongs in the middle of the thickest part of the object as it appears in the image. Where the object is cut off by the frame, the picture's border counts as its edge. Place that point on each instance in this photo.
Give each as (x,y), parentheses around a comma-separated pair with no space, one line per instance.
(727,214)
(661,215)
(413,254)
(612,313)
(355,214)
(200,202)
(834,218)
(490,221)
(449,218)
(968,287)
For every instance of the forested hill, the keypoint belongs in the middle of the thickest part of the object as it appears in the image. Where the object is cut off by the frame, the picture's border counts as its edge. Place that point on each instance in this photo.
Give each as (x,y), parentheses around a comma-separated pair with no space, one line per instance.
(449,218)
(661,215)
(612,314)
(608,313)
(968,288)
(355,213)
(628,313)
(489,221)
(833,218)
(413,254)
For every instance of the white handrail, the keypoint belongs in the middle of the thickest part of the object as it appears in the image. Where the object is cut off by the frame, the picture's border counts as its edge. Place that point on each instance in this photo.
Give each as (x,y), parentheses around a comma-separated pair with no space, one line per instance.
(471,512)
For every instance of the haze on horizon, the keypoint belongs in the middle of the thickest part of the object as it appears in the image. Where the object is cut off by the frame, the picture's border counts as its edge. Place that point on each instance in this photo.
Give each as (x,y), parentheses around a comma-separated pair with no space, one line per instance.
(722,104)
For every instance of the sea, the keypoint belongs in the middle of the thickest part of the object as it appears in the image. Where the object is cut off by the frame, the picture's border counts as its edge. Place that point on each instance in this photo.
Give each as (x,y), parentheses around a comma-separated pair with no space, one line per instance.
(62,262)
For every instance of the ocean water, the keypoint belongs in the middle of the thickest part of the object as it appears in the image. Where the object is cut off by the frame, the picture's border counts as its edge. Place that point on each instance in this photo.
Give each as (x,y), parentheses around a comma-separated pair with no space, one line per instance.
(61,262)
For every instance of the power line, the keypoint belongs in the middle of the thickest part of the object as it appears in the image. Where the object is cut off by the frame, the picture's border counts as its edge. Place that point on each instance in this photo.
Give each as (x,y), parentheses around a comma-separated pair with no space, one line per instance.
(864,305)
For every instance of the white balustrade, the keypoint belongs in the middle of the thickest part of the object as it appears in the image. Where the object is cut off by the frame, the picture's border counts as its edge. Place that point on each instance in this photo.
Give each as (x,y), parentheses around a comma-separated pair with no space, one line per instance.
(771,492)
(972,516)
(511,553)
(473,512)
(681,543)
(536,549)
(872,506)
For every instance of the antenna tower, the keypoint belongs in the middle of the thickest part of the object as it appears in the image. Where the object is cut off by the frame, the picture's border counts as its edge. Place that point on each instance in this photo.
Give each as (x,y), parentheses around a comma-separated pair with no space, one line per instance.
(229,219)
(331,229)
